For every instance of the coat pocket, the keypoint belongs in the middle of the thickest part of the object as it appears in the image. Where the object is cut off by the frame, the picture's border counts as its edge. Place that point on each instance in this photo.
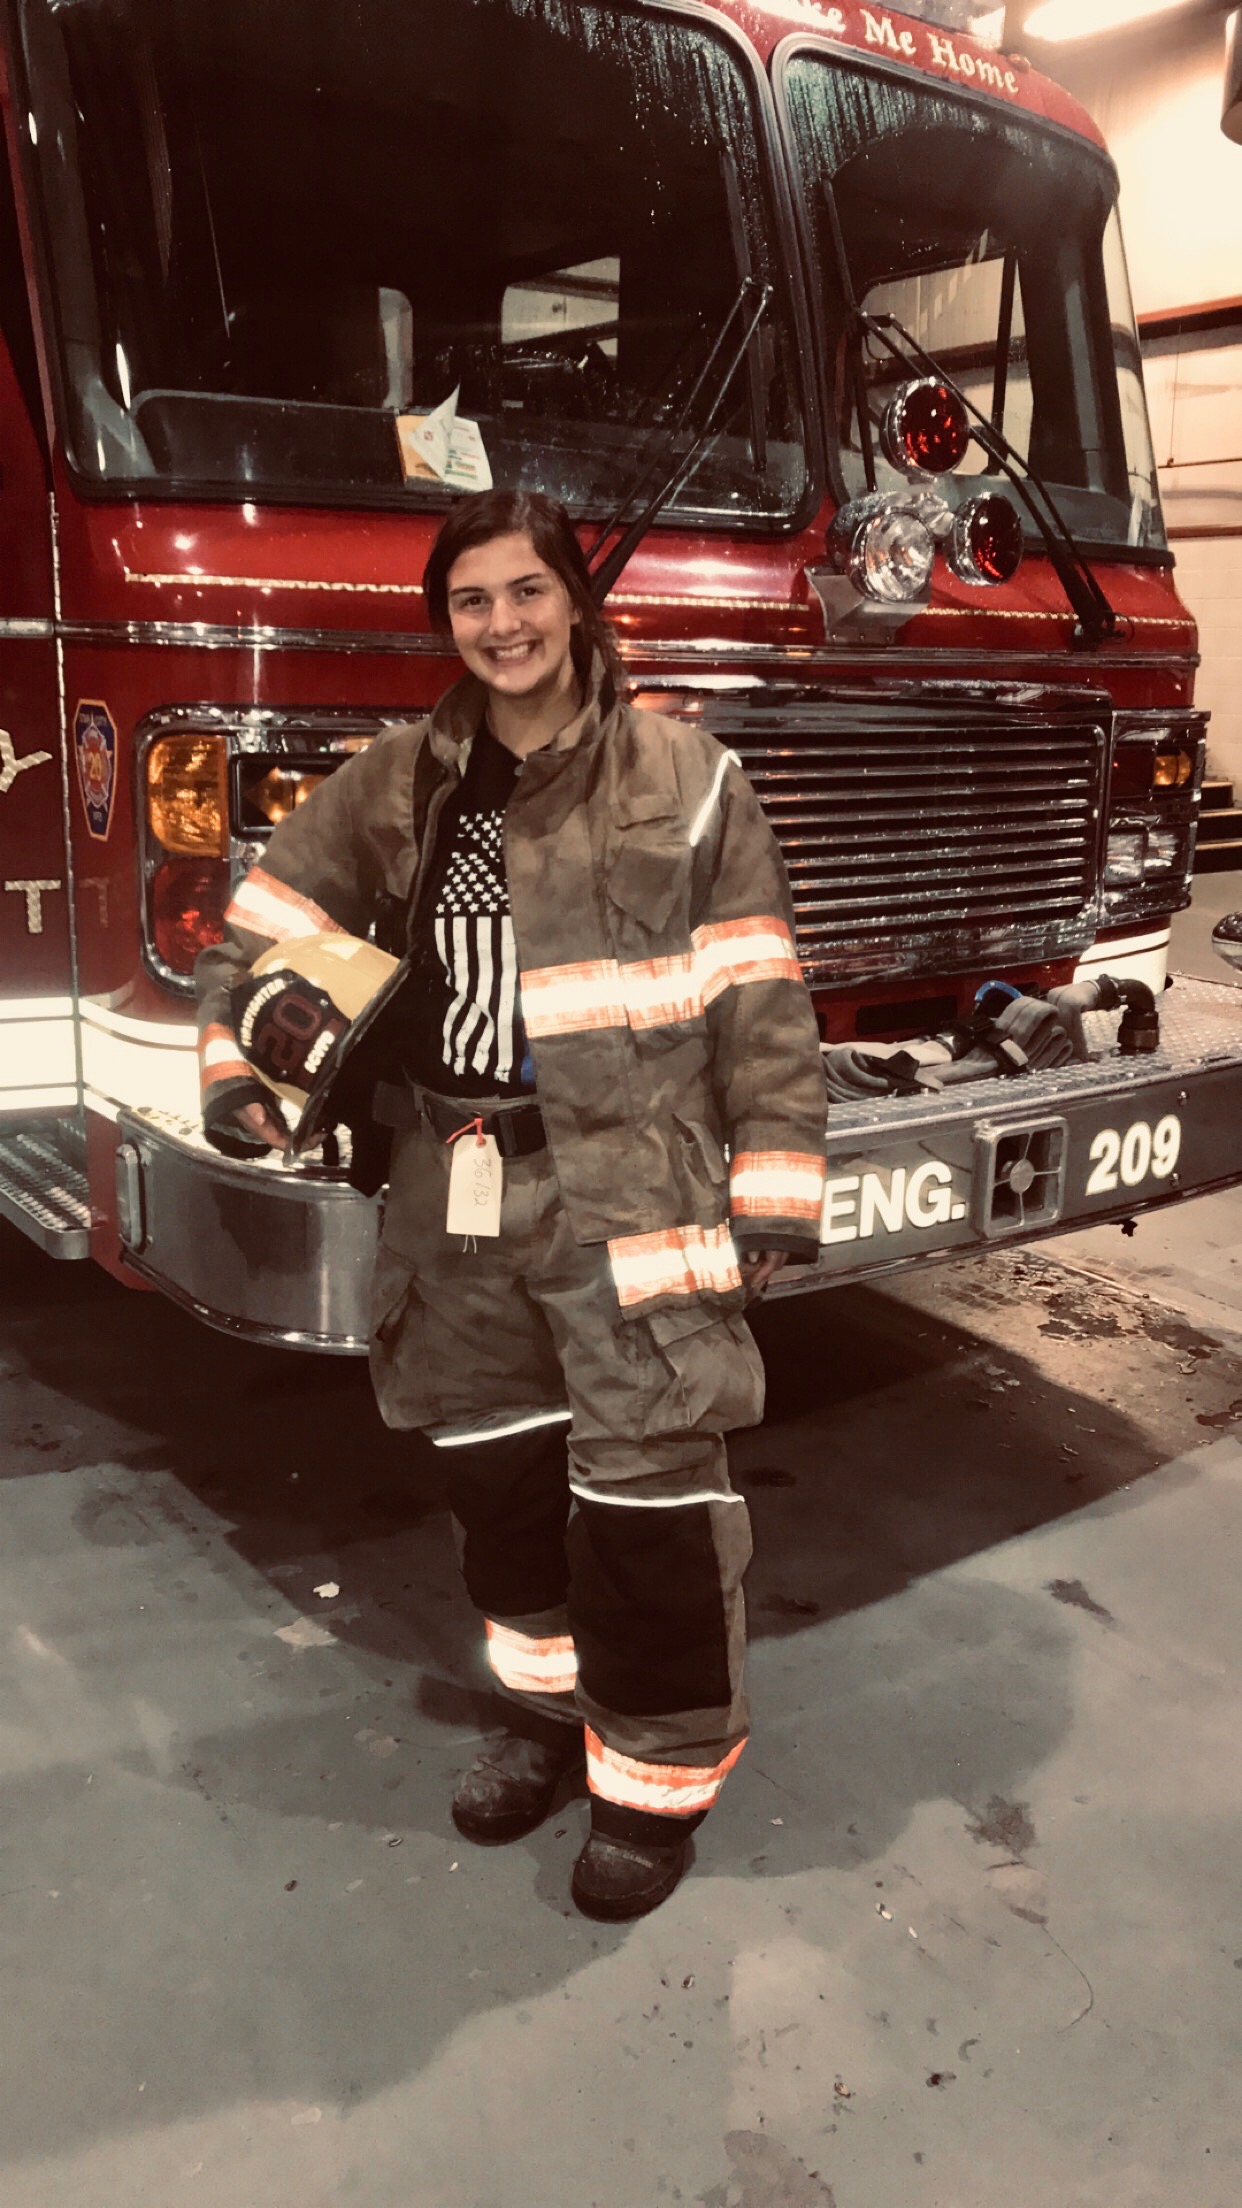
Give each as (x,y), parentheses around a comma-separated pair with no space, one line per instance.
(712,1373)
(649,879)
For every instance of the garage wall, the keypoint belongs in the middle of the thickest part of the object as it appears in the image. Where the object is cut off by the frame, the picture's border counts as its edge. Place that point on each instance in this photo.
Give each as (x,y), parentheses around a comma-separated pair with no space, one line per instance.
(1209,575)
(1157,97)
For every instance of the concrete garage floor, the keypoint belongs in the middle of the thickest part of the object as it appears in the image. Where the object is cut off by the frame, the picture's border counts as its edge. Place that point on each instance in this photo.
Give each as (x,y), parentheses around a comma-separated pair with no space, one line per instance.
(966,1927)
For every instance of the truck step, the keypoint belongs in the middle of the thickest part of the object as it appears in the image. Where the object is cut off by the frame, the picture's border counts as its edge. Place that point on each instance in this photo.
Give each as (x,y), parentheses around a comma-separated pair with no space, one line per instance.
(1217,794)
(1222,825)
(1218,858)
(43,1195)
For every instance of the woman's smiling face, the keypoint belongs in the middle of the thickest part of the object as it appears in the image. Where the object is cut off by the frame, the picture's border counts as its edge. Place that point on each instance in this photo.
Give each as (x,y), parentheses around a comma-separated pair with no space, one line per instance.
(512,618)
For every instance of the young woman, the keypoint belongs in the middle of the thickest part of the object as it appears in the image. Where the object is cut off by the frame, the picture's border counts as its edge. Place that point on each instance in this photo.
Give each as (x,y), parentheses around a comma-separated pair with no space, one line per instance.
(606,986)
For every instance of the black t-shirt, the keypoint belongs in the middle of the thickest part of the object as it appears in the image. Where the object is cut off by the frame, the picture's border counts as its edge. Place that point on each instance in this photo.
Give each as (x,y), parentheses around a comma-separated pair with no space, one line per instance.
(468,1035)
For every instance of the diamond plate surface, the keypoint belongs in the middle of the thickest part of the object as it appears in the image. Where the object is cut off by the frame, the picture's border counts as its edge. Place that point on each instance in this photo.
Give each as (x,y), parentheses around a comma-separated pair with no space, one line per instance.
(43,1195)
(1200,1026)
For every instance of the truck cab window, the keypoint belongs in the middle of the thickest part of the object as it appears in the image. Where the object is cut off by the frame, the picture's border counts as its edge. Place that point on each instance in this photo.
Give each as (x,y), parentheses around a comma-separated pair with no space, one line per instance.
(997,245)
(559,331)
(15,322)
(274,229)
(972,318)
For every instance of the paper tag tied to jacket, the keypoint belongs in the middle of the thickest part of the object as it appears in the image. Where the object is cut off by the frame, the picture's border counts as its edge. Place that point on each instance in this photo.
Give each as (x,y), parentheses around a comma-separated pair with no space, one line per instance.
(474,1186)
(441,447)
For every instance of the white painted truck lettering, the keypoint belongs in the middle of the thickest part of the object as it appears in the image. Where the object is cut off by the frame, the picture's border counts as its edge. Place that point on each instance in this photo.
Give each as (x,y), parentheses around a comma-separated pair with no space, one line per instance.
(840,1203)
(1105,1151)
(1166,1146)
(933,1209)
(885,1203)
(1136,1154)
(880,31)
(1140,1154)
(858,1207)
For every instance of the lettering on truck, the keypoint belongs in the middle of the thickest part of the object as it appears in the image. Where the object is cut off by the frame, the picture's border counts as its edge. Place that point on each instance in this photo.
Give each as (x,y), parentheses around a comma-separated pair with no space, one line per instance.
(858,1206)
(13,764)
(934,48)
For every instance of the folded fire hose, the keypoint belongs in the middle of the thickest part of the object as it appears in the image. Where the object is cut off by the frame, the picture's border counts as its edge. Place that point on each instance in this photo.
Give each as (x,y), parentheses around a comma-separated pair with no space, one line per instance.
(1009,1034)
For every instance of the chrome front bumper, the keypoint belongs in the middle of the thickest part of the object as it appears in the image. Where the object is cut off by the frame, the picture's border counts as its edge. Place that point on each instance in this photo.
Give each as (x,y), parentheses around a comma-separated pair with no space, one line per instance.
(1021,1159)
(270,1252)
(284,1254)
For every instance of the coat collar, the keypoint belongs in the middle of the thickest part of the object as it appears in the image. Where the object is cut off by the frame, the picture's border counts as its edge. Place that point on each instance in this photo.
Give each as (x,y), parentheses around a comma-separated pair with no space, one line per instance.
(456,720)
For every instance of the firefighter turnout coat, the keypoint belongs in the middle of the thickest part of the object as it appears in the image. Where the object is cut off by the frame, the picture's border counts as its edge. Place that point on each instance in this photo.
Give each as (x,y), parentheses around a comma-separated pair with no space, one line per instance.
(675,1048)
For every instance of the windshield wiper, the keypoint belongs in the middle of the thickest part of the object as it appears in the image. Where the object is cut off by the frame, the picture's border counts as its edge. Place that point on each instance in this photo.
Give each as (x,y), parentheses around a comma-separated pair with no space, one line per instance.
(1097,620)
(756,394)
(747,310)
(1004,339)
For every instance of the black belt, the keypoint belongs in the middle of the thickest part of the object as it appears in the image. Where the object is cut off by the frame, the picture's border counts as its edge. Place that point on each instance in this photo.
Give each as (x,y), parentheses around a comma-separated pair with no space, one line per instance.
(517,1129)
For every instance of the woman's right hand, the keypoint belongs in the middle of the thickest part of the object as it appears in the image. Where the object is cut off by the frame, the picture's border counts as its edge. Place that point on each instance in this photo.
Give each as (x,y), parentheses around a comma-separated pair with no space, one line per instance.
(263,1125)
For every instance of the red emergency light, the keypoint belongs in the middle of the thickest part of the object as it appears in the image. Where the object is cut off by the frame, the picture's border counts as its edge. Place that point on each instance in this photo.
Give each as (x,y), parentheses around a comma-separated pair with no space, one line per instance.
(987,545)
(926,429)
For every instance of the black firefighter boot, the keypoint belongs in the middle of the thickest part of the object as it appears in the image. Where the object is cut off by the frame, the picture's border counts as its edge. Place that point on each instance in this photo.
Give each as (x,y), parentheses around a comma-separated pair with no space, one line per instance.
(632,1861)
(510,1786)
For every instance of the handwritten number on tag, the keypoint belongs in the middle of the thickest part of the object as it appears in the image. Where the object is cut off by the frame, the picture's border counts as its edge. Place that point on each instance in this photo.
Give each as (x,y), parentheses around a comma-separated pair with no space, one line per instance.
(475,1186)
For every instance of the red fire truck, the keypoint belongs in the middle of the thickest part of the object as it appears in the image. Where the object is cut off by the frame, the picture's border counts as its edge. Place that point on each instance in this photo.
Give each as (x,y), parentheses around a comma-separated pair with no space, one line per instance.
(816,316)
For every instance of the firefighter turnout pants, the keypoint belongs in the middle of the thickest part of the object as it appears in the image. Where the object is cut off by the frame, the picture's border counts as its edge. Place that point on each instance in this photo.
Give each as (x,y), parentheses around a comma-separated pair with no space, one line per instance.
(600,1537)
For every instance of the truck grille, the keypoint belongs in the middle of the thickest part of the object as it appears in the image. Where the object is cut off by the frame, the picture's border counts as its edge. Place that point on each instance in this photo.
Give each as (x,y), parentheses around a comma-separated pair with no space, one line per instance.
(929,840)
(923,843)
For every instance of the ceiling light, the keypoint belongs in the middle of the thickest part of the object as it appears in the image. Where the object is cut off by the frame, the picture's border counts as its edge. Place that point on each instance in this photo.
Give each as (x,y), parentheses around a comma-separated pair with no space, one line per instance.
(1060,20)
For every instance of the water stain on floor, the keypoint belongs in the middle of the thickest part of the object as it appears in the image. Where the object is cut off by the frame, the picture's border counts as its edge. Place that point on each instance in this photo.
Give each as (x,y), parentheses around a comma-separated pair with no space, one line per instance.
(1004,1825)
(767,2175)
(1075,1596)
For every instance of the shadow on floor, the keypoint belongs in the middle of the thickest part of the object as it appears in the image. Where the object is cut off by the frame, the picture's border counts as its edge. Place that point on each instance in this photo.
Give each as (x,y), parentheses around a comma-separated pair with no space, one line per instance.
(887,1452)
(273,1908)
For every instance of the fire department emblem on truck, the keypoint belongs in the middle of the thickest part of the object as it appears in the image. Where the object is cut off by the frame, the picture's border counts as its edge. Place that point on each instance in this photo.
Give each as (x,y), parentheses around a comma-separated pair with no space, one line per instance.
(94,744)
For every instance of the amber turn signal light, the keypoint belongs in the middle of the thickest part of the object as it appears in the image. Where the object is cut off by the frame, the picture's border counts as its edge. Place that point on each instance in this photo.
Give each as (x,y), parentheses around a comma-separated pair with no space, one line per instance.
(281,792)
(1141,769)
(1173,770)
(187,795)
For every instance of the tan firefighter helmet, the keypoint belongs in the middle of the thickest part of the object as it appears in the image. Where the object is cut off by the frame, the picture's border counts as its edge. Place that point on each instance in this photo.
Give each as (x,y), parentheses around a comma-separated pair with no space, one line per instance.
(301,1012)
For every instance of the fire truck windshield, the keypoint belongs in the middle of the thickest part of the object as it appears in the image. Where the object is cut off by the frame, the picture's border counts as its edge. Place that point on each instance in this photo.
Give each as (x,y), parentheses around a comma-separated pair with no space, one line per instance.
(273,230)
(995,241)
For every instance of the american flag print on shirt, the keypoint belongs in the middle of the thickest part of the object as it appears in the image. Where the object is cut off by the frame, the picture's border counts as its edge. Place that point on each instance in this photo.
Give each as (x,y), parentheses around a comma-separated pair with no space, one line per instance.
(482,1032)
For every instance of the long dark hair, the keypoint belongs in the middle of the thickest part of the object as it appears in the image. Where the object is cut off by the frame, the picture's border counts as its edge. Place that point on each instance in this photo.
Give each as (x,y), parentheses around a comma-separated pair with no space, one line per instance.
(486,514)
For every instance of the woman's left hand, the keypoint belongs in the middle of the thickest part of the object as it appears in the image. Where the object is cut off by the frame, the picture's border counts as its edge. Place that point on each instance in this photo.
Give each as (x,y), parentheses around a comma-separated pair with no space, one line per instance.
(759,1267)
